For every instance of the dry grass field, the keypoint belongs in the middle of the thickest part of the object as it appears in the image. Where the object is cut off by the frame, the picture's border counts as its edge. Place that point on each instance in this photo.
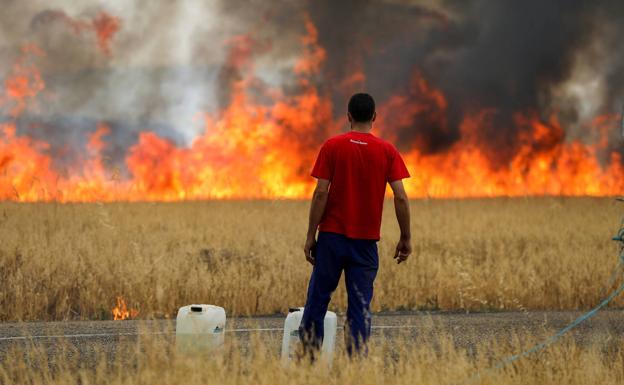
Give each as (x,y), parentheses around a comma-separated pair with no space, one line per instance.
(423,361)
(71,261)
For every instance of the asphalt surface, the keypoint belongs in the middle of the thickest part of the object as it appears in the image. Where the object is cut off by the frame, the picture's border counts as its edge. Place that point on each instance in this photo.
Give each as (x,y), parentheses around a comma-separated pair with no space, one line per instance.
(90,339)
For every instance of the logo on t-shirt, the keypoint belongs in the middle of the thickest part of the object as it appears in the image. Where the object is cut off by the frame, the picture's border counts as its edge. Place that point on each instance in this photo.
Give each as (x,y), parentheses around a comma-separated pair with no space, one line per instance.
(357,141)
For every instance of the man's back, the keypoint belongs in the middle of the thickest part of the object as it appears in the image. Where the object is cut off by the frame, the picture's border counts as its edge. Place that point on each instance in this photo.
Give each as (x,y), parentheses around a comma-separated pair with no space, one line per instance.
(358,166)
(352,171)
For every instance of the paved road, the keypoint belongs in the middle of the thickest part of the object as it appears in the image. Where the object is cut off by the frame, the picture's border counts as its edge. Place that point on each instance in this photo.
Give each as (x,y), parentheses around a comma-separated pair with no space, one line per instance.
(466,330)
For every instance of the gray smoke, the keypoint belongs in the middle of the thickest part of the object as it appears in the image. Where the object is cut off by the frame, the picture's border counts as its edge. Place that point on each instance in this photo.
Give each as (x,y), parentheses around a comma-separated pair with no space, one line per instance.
(172,61)
(168,65)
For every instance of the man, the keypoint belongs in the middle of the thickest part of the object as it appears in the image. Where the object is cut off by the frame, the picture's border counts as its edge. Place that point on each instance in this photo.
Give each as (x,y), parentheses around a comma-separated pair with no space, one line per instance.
(352,170)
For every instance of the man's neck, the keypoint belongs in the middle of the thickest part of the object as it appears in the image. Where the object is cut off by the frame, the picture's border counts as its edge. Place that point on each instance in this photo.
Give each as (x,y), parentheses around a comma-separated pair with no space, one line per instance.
(362,128)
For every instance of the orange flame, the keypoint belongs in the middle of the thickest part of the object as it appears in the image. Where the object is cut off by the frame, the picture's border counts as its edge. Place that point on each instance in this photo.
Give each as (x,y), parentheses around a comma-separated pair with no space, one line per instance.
(24,82)
(121,312)
(105,27)
(266,150)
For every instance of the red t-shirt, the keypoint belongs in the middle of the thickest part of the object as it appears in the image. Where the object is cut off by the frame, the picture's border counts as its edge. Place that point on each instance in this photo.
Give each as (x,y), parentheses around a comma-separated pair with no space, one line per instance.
(358,165)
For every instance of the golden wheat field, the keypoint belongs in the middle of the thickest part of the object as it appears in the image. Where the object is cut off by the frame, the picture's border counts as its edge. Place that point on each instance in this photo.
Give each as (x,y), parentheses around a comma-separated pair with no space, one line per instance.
(71,261)
(421,361)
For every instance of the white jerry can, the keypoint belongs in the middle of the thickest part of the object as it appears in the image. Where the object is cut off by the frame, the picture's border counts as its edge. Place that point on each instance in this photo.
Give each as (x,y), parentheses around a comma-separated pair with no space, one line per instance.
(199,328)
(291,340)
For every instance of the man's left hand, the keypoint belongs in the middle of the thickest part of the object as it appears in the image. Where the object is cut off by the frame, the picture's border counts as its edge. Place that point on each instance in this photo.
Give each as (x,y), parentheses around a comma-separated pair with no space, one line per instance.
(310,244)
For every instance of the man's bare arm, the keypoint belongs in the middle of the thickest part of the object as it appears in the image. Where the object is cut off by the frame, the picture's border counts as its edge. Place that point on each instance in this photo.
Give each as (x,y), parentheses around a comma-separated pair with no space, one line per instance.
(317,208)
(401,208)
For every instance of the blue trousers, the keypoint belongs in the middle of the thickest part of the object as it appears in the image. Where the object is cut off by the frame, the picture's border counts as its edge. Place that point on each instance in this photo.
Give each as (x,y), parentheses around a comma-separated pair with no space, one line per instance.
(359,260)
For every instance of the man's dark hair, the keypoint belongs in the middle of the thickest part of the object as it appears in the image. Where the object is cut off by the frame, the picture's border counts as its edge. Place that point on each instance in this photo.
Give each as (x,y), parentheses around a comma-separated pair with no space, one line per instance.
(361,107)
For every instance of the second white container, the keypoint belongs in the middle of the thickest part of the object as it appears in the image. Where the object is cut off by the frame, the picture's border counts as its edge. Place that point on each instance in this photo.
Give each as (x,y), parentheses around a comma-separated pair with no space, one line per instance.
(290,340)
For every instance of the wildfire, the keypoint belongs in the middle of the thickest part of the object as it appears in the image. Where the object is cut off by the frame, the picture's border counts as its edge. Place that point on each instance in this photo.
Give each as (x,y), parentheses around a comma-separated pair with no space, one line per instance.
(265,150)
(543,163)
(121,312)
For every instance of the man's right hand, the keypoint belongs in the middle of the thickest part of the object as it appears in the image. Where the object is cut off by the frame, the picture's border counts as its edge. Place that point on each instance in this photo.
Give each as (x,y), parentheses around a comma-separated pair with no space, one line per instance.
(403,250)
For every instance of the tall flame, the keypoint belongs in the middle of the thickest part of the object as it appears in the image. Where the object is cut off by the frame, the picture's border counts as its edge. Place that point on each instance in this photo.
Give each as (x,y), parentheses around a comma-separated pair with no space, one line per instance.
(265,150)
